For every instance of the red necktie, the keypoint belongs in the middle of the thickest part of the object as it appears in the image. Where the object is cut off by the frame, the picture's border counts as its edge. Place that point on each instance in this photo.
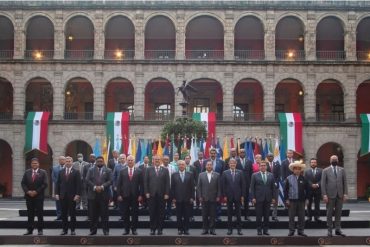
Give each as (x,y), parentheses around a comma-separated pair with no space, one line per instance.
(156,170)
(33,176)
(130,174)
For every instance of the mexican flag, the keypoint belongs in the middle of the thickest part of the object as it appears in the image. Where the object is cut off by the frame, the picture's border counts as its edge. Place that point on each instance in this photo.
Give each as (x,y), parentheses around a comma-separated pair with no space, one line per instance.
(291,131)
(209,119)
(118,131)
(37,132)
(365,134)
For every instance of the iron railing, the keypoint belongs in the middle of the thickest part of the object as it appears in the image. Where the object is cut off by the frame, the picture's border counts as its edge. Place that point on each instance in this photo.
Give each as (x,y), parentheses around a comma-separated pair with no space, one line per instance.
(119,54)
(290,55)
(249,117)
(38,54)
(79,54)
(153,116)
(205,54)
(78,115)
(330,117)
(6,116)
(249,54)
(331,55)
(363,55)
(6,54)
(160,54)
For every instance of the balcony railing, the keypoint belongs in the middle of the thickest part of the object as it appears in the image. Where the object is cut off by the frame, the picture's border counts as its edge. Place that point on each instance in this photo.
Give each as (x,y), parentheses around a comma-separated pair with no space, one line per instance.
(6,116)
(160,54)
(303,117)
(152,116)
(249,117)
(6,54)
(38,54)
(330,117)
(119,54)
(290,55)
(78,115)
(363,55)
(331,55)
(79,54)
(249,54)
(205,54)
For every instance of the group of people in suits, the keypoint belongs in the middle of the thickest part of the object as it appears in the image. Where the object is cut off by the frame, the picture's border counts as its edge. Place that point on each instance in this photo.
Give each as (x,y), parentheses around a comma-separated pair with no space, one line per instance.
(208,182)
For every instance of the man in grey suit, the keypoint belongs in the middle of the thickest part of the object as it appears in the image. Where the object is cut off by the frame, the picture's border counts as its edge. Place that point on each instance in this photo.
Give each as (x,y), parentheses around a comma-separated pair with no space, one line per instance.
(262,192)
(99,179)
(334,192)
(209,191)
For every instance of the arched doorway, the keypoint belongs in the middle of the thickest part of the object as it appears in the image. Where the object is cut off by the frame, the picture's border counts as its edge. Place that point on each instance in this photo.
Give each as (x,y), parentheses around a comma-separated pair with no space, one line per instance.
(363,174)
(6,99)
(119,38)
(39,38)
(7,38)
(249,36)
(46,163)
(79,100)
(363,39)
(326,151)
(329,102)
(79,38)
(160,38)
(289,96)
(159,100)
(6,167)
(119,96)
(362,99)
(39,96)
(248,101)
(78,146)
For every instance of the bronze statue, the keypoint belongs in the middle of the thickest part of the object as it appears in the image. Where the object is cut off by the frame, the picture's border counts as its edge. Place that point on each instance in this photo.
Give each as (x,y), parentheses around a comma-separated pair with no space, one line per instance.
(185,89)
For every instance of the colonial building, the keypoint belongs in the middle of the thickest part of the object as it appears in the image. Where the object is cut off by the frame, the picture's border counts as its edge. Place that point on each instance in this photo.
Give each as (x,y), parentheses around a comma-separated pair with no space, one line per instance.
(248,60)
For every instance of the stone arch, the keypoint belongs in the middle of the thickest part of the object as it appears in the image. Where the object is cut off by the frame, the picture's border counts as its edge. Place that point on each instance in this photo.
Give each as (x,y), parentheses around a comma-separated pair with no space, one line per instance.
(76,14)
(291,14)
(328,149)
(250,14)
(119,95)
(27,20)
(83,75)
(78,146)
(209,14)
(330,14)
(118,14)
(299,78)
(10,17)
(157,13)
(257,77)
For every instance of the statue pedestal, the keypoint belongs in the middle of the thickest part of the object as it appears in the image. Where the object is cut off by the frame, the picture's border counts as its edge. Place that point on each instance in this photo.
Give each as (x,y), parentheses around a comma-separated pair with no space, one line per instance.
(184,106)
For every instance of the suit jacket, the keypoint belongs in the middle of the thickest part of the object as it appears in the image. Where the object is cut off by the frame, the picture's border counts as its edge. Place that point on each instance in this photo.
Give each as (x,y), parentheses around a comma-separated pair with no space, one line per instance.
(233,189)
(311,179)
(92,180)
(79,166)
(285,171)
(111,164)
(220,165)
(238,164)
(192,169)
(200,167)
(39,184)
(302,188)
(206,190)
(247,170)
(334,186)
(261,191)
(182,191)
(157,185)
(127,187)
(68,187)
(276,171)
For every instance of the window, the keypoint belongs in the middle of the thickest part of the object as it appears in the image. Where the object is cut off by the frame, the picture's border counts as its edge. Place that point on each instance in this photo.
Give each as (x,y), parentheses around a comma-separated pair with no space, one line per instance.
(163,109)
(126,107)
(201,105)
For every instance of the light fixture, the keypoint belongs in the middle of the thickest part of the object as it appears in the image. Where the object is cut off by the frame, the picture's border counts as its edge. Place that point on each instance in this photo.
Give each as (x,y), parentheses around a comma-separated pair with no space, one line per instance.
(70,38)
(301,38)
(68,92)
(290,54)
(300,92)
(368,55)
(118,54)
(37,55)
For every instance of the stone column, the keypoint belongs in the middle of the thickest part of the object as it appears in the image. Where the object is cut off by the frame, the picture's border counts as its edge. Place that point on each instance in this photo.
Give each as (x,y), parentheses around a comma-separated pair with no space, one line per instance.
(180,76)
(58,96)
(350,164)
(59,39)
(19,98)
(228,97)
(350,99)
(180,36)
(98,95)
(310,36)
(18,160)
(310,98)
(19,36)
(98,36)
(350,42)
(269,44)
(139,97)
(229,36)
(269,97)
(139,35)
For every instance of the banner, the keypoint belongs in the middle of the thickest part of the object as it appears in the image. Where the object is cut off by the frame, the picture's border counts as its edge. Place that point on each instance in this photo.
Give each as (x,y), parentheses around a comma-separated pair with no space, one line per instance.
(365,134)
(291,131)
(118,131)
(209,119)
(37,131)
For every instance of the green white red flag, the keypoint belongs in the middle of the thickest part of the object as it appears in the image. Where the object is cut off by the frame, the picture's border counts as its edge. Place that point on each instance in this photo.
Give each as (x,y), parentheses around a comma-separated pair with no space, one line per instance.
(118,131)
(209,119)
(365,134)
(37,132)
(291,127)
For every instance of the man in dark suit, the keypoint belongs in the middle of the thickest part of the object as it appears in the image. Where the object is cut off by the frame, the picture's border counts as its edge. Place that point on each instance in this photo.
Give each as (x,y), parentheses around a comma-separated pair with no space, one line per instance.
(54,178)
(246,168)
(114,161)
(233,191)
(34,183)
(334,191)
(199,167)
(233,155)
(285,172)
(130,190)
(209,191)
(157,190)
(143,168)
(79,165)
(182,192)
(68,192)
(313,177)
(262,194)
(99,179)
(84,187)
(275,169)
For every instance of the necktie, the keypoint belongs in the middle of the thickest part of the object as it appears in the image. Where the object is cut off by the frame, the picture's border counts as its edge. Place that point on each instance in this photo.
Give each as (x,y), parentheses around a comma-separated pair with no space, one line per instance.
(67,172)
(233,175)
(156,170)
(130,174)
(314,172)
(182,176)
(335,171)
(264,177)
(33,175)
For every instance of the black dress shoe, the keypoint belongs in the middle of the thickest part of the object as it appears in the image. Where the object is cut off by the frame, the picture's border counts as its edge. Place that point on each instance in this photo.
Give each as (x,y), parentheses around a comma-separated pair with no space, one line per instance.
(106,233)
(92,233)
(290,234)
(126,232)
(73,233)
(302,234)
(213,232)
(159,232)
(40,232)
(266,233)
(340,233)
(179,232)
(204,232)
(330,234)
(259,233)
(27,233)
(186,232)
(63,233)
(134,232)
(229,232)
(240,232)
(152,232)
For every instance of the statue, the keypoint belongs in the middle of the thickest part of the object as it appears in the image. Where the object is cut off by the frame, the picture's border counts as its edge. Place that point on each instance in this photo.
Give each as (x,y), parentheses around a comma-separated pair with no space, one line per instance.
(185,89)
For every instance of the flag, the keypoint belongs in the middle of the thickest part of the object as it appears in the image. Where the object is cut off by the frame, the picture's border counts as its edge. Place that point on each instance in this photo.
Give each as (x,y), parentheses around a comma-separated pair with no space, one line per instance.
(143,149)
(282,150)
(209,119)
(238,146)
(118,130)
(219,149)
(167,147)
(277,151)
(106,147)
(193,151)
(256,148)
(174,148)
(232,142)
(271,150)
(97,148)
(133,147)
(138,153)
(154,148)
(250,150)
(184,148)
(266,150)
(37,132)
(160,149)
(201,146)
(277,159)
(291,131)
(365,134)
(149,150)
(129,147)
(226,151)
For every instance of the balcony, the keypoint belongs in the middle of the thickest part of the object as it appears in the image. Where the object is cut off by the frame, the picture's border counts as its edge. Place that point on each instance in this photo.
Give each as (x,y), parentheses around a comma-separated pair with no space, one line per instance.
(249,54)
(363,55)
(38,54)
(290,55)
(78,115)
(153,116)
(205,54)
(119,54)
(330,117)
(79,54)
(249,117)
(6,54)
(6,116)
(160,54)
(331,55)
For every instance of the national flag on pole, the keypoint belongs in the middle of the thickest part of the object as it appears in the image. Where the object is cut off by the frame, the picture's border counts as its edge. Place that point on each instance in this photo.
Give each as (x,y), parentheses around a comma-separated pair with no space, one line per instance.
(232,143)
(97,148)
(37,132)
(256,149)
(277,159)
(238,146)
(209,119)
(277,151)
(167,147)
(160,149)
(138,153)
(118,131)
(174,148)
(265,150)
(219,149)
(193,150)
(250,150)
(226,152)
(365,134)
(291,126)
(106,148)
(133,147)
